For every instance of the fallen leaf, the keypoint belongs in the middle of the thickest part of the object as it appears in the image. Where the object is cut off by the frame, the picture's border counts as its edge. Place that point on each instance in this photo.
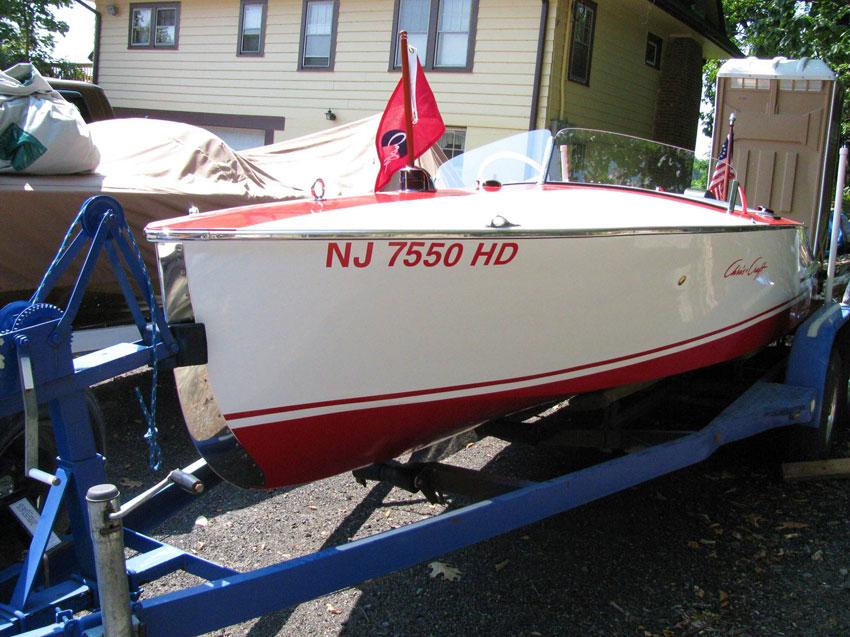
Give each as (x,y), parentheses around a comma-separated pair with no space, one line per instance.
(333,610)
(448,571)
(501,565)
(817,556)
(693,545)
(792,525)
(724,599)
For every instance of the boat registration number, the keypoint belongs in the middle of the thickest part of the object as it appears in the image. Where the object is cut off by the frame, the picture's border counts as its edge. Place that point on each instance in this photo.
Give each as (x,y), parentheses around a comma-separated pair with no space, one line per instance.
(413,254)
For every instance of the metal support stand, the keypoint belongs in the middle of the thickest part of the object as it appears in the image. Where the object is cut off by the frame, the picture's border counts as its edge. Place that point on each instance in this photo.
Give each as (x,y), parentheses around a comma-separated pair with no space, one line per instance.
(107,534)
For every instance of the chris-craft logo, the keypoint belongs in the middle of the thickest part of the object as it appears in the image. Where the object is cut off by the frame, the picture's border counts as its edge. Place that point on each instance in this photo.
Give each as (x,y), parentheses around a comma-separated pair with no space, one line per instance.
(394,143)
(740,268)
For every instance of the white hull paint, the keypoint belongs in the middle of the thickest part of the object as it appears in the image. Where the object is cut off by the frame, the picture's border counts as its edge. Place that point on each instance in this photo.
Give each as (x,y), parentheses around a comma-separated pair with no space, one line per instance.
(315,321)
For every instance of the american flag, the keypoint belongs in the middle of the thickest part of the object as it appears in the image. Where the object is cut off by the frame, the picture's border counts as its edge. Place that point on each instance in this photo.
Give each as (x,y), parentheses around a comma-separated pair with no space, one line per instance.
(723,171)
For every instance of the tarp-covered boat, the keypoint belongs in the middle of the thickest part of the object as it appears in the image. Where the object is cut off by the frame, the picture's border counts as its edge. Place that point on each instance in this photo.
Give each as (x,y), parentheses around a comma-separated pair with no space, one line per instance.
(159,169)
(342,332)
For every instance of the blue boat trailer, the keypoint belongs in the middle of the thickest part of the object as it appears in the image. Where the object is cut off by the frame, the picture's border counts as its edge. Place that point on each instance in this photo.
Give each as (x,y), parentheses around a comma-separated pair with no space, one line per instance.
(88,571)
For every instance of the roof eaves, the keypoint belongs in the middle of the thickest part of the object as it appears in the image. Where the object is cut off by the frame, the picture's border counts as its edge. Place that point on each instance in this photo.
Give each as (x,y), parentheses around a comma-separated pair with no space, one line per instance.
(715,33)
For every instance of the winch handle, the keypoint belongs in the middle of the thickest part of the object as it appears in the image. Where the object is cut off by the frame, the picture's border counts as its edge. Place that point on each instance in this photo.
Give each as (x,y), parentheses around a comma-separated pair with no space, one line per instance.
(31,424)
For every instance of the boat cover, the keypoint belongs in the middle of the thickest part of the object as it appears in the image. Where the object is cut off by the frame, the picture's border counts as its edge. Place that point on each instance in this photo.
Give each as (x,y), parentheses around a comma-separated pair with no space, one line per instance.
(159,169)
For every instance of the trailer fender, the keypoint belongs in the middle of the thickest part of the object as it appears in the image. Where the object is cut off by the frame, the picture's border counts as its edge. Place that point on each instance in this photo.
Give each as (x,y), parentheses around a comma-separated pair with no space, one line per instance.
(813,344)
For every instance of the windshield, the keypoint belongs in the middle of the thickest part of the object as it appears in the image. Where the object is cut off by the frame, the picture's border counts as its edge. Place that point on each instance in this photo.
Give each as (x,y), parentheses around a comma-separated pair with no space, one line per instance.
(597,157)
(516,159)
(578,155)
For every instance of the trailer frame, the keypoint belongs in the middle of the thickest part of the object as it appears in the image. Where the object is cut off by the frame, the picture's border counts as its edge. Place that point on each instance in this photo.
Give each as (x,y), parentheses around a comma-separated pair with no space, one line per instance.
(40,342)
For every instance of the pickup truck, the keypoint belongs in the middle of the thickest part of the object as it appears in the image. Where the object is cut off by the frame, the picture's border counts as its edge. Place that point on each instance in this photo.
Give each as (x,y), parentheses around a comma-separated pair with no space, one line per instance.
(89,98)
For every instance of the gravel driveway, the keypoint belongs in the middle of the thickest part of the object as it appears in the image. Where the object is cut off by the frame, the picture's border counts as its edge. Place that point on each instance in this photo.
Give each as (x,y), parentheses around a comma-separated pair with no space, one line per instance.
(723,548)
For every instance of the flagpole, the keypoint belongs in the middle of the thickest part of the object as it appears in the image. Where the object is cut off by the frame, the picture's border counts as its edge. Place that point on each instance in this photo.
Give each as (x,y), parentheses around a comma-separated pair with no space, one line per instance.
(408,111)
(730,145)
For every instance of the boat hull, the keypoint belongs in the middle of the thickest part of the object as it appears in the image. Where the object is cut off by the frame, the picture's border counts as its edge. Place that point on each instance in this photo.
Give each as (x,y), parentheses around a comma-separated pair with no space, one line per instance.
(361,348)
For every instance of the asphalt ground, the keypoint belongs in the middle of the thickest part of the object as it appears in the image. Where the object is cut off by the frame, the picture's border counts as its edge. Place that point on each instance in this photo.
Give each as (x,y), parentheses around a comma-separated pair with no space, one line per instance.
(723,548)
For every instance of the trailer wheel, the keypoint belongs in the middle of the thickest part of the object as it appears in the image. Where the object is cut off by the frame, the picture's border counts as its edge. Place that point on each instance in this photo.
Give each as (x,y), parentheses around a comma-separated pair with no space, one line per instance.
(810,443)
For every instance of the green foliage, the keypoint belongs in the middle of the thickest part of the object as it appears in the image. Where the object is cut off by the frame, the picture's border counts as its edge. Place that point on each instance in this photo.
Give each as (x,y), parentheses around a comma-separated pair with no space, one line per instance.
(27,30)
(700,178)
(791,28)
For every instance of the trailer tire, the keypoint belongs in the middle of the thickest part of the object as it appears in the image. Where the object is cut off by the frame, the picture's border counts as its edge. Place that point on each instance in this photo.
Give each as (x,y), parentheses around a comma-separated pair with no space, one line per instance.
(817,443)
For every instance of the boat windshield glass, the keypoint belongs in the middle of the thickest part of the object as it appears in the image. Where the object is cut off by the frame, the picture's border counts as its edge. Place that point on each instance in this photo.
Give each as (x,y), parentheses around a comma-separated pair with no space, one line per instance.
(516,159)
(597,157)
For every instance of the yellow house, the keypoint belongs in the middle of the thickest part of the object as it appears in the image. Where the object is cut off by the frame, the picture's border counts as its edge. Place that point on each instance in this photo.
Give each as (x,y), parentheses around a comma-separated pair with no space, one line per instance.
(258,71)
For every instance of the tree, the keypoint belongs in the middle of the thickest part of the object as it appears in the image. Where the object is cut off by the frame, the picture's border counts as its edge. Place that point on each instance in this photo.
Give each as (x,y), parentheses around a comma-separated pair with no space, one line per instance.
(27,30)
(819,29)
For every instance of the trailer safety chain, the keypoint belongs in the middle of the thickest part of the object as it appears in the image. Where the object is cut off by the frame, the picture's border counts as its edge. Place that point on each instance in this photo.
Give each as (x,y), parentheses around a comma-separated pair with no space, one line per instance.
(149,413)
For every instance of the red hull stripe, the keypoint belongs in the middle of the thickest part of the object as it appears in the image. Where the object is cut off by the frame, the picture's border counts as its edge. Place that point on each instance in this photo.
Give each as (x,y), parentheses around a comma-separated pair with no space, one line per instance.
(310,448)
(442,390)
(233,219)
(241,217)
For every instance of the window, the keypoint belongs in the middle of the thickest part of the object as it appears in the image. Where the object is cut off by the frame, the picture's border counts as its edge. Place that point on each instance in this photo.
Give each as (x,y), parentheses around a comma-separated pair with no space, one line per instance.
(811,86)
(318,34)
(154,26)
(443,32)
(751,83)
(252,27)
(452,142)
(653,51)
(581,41)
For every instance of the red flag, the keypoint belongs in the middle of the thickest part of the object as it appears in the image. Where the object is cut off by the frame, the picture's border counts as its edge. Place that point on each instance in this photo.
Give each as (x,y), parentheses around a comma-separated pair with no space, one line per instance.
(391,140)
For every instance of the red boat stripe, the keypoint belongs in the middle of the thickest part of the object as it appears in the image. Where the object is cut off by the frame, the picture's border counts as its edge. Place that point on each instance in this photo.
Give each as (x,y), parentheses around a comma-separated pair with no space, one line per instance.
(315,446)
(442,390)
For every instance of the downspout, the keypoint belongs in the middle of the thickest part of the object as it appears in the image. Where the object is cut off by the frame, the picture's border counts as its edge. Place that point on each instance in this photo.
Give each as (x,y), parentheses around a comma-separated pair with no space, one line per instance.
(538,66)
(95,63)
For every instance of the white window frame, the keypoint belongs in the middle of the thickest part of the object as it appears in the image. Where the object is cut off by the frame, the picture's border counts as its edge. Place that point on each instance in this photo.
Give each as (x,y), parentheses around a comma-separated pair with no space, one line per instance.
(448,143)
(429,57)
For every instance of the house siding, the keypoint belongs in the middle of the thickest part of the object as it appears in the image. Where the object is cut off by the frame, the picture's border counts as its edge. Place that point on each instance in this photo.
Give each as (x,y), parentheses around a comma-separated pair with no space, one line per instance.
(206,75)
(623,90)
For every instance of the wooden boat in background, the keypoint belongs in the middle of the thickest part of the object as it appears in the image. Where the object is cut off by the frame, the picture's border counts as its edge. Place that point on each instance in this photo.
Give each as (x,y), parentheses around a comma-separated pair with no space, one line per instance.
(342,332)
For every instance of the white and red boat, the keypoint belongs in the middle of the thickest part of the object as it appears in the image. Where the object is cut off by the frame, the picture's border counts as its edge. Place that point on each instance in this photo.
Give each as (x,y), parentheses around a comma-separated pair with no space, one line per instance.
(342,332)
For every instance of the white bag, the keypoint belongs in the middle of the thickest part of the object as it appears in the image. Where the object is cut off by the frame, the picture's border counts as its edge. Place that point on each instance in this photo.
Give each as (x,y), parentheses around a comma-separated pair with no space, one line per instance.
(40,132)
